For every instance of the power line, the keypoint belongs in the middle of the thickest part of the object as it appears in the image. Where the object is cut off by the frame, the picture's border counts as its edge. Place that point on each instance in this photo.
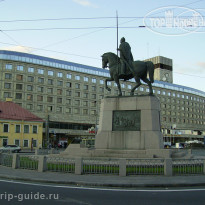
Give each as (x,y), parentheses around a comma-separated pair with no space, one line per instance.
(98,27)
(60,52)
(89,57)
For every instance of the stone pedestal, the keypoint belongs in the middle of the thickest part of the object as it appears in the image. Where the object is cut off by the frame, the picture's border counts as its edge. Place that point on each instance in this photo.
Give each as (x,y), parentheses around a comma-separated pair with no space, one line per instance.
(129,127)
(129,123)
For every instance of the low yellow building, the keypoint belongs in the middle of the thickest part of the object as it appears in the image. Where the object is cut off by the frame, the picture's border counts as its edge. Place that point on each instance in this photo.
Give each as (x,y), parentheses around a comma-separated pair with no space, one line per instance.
(19,126)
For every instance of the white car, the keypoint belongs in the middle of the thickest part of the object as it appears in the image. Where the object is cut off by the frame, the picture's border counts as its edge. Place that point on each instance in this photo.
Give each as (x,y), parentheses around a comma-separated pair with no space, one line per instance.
(12,148)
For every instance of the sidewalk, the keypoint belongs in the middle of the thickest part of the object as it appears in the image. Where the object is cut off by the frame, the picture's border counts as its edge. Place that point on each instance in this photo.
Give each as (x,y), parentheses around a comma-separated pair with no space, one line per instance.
(101,180)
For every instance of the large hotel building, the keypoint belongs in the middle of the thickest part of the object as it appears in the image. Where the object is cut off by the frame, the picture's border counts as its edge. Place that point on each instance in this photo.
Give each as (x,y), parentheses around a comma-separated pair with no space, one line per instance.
(67,96)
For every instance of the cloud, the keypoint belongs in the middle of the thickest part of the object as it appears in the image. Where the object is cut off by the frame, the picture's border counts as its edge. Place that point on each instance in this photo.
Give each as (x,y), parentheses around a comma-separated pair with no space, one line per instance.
(23,49)
(85,3)
(191,69)
(201,64)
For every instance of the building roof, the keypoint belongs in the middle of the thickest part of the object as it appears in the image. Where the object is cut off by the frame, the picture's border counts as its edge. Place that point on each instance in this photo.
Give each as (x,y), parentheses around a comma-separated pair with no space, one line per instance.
(66,65)
(12,111)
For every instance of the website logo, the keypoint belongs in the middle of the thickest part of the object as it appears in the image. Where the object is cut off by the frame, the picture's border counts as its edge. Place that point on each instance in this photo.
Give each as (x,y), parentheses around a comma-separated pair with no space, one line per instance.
(174,20)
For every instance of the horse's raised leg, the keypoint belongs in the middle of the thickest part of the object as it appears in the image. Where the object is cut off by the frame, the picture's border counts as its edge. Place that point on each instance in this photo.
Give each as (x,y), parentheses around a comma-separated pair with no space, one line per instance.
(106,80)
(149,84)
(137,79)
(118,85)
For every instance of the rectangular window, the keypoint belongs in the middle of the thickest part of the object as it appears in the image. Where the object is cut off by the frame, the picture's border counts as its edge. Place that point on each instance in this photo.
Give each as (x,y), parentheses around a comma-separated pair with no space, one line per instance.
(49,99)
(41,80)
(6,127)
(59,109)
(77,94)
(76,111)
(19,77)
(50,108)
(59,91)
(35,129)
(29,97)
(94,80)
(29,87)
(50,72)
(26,128)
(8,66)
(68,92)
(17,142)
(50,90)
(50,81)
(34,142)
(19,96)
(4,142)
(18,129)
(68,109)
(69,76)
(77,77)
(7,94)
(30,79)
(85,111)
(31,70)
(39,98)
(85,79)
(60,75)
(29,106)
(7,85)
(40,107)
(85,87)
(40,71)
(59,100)
(25,143)
(60,83)
(40,89)
(93,88)
(8,76)
(85,95)
(77,86)
(19,86)
(19,67)
(68,84)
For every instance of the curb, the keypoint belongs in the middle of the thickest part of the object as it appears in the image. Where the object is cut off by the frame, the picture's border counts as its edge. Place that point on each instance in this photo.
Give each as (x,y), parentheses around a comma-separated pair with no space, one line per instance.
(105,185)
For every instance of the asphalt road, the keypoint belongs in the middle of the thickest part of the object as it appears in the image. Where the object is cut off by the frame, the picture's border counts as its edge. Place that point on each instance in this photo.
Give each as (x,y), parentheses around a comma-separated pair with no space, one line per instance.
(12,192)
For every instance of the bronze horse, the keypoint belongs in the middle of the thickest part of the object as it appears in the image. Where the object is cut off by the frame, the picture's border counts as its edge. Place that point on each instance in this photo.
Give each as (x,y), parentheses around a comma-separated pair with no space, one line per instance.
(140,70)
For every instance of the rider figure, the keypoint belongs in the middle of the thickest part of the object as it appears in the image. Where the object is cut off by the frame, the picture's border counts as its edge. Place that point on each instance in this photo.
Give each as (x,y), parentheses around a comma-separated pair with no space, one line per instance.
(126,57)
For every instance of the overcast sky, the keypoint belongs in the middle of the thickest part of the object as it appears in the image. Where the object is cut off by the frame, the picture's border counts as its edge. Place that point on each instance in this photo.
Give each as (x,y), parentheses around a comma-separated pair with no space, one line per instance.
(82,30)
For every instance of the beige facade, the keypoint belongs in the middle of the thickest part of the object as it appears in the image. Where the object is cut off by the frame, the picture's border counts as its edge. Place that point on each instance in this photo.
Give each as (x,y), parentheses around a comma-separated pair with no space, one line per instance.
(70,94)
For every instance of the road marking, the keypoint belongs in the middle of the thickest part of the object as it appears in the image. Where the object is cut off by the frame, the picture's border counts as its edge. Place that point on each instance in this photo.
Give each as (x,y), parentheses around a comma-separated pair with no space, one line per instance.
(103,189)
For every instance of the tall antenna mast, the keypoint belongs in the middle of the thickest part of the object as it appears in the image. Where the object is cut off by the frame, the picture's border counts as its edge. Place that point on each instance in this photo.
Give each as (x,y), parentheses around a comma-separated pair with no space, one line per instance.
(117,31)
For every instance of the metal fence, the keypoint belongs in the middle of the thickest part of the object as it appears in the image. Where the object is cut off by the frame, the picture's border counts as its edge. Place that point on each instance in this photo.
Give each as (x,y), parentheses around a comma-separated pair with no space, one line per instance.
(57,164)
(145,167)
(187,166)
(28,162)
(47,151)
(6,159)
(105,166)
(100,166)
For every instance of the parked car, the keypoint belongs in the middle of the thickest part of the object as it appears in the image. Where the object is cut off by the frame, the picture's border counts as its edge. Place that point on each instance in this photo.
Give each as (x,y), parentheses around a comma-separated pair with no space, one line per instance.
(12,148)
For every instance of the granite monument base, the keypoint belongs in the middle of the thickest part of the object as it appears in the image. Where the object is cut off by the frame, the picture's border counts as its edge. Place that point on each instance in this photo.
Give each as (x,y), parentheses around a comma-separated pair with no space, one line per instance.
(129,127)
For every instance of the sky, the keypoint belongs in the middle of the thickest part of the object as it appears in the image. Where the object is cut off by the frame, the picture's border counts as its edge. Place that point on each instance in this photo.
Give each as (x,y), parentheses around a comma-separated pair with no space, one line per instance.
(81,31)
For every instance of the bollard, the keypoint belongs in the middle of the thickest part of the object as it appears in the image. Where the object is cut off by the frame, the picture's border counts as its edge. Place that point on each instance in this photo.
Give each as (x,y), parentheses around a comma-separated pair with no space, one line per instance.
(122,168)
(168,167)
(42,166)
(204,167)
(78,165)
(16,161)
(37,152)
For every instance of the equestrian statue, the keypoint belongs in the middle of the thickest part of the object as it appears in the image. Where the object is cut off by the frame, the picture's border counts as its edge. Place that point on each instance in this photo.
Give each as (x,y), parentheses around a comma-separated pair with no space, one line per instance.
(126,68)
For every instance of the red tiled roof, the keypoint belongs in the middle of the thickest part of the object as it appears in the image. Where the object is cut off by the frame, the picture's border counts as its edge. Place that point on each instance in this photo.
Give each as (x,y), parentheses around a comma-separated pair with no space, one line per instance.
(12,111)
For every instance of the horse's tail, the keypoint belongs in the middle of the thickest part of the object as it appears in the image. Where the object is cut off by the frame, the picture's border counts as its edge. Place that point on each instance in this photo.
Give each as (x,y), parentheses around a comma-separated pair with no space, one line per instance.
(150,69)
